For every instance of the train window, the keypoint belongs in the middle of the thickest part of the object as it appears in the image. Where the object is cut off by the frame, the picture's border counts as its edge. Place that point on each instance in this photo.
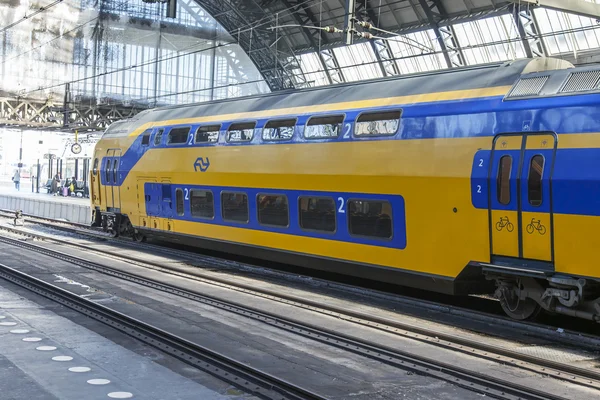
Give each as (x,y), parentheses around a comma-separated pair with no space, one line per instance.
(503,180)
(178,135)
(146,137)
(273,210)
(282,129)
(324,127)
(202,204)
(534,180)
(317,213)
(158,137)
(208,134)
(241,132)
(378,123)
(95,168)
(115,169)
(234,206)
(179,201)
(371,218)
(107,170)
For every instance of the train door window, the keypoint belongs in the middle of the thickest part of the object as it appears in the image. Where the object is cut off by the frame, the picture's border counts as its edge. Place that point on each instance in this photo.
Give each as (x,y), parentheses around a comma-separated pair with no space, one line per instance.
(241,132)
(179,201)
(208,134)
(178,135)
(503,180)
(282,129)
(317,213)
(370,218)
(115,169)
(107,166)
(273,210)
(534,180)
(158,137)
(378,123)
(324,127)
(146,137)
(202,204)
(234,206)
(95,168)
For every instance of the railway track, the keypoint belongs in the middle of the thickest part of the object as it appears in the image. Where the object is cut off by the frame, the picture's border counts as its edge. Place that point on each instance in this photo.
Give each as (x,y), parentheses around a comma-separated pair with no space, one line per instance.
(481,383)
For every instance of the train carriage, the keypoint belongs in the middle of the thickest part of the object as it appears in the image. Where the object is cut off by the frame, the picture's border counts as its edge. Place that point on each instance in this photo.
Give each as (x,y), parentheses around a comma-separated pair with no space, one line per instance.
(468,181)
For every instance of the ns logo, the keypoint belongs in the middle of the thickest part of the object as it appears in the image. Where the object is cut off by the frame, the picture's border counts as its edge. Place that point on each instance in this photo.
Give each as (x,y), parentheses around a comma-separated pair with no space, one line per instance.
(201,164)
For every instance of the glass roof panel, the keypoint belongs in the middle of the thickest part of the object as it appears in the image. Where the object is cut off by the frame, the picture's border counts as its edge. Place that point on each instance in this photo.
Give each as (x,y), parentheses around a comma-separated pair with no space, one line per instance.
(565,32)
(417,52)
(313,69)
(358,62)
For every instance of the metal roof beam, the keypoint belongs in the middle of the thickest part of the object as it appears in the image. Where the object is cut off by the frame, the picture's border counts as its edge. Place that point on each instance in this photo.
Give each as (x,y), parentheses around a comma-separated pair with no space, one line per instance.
(528,30)
(579,7)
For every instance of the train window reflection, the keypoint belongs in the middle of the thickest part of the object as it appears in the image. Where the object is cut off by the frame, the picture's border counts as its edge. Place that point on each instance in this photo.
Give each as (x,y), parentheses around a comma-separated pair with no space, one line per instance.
(146,137)
(317,213)
(323,127)
(179,201)
(158,137)
(241,132)
(273,210)
(202,204)
(115,168)
(208,134)
(178,135)
(95,168)
(378,123)
(282,129)
(371,218)
(234,206)
(534,180)
(503,180)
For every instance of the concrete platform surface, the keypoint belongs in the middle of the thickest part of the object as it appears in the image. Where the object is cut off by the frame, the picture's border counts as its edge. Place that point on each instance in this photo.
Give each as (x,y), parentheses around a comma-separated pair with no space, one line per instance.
(46,356)
(72,209)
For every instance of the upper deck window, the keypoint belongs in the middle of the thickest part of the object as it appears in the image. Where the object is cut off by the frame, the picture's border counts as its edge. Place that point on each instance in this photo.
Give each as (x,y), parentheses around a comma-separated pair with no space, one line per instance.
(241,132)
(146,137)
(208,134)
(158,137)
(378,123)
(281,129)
(178,135)
(324,127)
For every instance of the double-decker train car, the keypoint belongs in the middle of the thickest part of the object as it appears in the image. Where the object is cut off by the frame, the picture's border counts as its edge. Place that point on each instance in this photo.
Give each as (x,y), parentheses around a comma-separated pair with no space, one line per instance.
(476,180)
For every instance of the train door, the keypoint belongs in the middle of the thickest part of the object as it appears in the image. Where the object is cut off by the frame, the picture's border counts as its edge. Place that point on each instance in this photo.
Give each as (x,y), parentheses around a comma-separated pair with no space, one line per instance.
(167,199)
(95,183)
(107,179)
(115,179)
(520,201)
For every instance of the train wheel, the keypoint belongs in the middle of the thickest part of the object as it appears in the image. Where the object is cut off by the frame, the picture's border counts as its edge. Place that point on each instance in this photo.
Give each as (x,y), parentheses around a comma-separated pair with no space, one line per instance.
(519,309)
(138,237)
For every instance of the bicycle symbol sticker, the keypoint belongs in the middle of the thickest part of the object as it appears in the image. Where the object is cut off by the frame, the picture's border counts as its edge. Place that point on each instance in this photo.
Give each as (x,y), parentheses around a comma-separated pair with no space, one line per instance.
(504,223)
(536,225)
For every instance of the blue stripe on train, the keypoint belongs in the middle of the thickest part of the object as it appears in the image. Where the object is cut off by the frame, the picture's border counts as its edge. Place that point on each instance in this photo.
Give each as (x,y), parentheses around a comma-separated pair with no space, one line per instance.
(156,205)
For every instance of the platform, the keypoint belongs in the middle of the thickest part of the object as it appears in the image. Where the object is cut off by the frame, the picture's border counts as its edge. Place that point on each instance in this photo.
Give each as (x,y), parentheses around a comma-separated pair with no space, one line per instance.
(72,209)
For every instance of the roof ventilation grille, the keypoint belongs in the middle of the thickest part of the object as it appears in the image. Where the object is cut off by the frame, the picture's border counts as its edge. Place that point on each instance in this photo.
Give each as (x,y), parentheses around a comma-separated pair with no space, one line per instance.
(528,87)
(581,81)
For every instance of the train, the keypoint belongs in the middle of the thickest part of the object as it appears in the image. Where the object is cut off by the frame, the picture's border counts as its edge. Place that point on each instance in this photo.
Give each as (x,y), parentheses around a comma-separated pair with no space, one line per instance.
(476,180)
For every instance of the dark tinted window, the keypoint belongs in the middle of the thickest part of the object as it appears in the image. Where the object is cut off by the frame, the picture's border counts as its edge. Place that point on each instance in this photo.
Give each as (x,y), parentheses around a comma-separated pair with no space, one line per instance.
(115,168)
(282,129)
(317,213)
(178,135)
(371,218)
(146,137)
(323,127)
(179,201)
(158,137)
(95,168)
(234,206)
(208,134)
(202,204)
(241,132)
(378,123)
(534,181)
(272,210)
(503,181)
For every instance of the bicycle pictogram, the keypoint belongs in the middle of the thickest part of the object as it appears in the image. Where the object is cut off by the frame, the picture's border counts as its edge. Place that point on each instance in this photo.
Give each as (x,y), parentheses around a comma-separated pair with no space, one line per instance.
(536,225)
(504,222)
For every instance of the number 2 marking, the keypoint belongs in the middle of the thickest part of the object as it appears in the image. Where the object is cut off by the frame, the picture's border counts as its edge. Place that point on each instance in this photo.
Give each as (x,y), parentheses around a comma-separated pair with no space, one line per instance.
(191,142)
(481,162)
(187,194)
(341,209)
(478,188)
(347,129)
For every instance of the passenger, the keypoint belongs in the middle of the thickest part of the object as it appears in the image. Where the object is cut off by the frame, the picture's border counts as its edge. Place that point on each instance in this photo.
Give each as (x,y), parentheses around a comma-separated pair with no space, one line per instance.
(17,180)
(72,186)
(55,183)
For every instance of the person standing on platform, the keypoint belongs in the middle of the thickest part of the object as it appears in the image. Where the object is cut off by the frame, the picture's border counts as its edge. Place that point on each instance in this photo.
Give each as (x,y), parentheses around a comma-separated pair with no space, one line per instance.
(55,183)
(17,180)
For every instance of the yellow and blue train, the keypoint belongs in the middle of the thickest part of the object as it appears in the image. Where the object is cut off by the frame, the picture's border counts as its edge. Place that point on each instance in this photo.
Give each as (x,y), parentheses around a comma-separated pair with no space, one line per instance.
(467,181)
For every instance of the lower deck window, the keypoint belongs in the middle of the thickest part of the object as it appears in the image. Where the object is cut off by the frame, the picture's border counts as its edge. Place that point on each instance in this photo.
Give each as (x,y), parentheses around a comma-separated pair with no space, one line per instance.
(317,213)
(179,201)
(273,210)
(234,206)
(201,204)
(371,218)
